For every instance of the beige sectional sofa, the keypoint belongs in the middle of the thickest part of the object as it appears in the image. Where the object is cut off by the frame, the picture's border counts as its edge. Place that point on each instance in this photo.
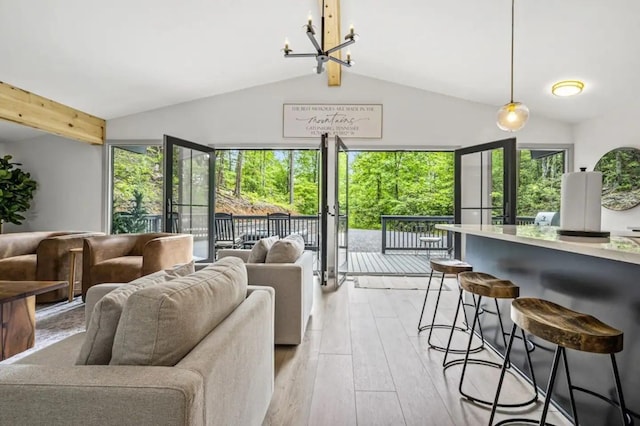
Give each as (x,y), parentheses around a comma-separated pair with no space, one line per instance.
(293,283)
(226,378)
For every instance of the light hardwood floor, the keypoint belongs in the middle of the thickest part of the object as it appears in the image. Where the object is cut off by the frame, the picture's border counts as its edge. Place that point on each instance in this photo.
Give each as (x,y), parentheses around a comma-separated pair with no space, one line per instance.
(362,362)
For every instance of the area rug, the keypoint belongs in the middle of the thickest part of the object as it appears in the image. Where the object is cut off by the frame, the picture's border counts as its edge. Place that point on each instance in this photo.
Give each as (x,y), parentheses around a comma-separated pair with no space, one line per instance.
(402,282)
(54,322)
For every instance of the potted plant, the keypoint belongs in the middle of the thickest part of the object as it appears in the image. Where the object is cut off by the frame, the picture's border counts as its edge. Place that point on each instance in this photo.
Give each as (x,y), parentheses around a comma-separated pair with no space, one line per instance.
(16,192)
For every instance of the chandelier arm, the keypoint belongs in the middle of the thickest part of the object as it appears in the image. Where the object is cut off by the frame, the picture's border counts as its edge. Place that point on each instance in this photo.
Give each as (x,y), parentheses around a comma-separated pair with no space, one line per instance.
(301,55)
(340,46)
(512,26)
(340,61)
(314,41)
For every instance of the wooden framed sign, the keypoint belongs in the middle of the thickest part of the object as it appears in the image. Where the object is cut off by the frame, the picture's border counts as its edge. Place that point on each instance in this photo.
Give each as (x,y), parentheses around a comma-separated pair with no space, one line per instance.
(345,120)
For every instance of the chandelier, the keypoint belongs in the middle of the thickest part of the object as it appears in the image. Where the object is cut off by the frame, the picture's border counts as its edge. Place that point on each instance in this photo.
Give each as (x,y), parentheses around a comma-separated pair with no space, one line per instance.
(321,55)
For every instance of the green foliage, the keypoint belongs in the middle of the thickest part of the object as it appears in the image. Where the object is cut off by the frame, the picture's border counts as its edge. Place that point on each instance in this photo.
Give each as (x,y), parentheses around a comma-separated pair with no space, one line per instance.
(399,183)
(132,221)
(16,191)
(538,182)
(133,173)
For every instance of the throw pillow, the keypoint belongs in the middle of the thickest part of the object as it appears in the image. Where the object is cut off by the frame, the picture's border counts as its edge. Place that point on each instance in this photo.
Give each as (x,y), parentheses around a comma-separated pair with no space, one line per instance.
(96,349)
(260,249)
(286,250)
(161,324)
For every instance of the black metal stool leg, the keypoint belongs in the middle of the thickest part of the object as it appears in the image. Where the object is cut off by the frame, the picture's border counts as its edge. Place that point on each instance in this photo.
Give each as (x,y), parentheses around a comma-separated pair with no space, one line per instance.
(502,374)
(435,310)
(424,304)
(622,406)
(455,318)
(571,398)
(552,381)
(466,355)
(530,364)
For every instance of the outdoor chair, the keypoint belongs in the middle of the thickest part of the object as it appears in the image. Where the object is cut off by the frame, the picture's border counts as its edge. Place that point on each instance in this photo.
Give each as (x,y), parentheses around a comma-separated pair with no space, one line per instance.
(225,232)
(279,224)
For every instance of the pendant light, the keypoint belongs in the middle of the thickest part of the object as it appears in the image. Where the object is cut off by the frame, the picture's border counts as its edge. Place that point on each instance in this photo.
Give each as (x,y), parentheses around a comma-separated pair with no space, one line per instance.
(514,115)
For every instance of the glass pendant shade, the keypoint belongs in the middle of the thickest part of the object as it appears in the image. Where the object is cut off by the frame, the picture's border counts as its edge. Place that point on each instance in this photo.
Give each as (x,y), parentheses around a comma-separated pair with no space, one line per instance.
(512,116)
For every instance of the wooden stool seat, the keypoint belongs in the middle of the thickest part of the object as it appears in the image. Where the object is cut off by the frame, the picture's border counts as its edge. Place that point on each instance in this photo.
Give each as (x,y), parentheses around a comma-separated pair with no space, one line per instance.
(488,286)
(564,327)
(449,266)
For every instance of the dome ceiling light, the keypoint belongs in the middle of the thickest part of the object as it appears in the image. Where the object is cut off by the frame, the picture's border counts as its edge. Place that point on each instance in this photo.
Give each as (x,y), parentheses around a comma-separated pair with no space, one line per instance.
(567,88)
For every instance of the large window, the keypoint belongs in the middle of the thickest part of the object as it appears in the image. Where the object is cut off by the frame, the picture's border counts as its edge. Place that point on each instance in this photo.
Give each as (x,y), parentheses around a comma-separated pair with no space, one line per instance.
(136,188)
(259,181)
(539,176)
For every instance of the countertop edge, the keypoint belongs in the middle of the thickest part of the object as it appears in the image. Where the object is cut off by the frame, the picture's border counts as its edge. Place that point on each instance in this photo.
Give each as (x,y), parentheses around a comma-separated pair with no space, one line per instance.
(588,249)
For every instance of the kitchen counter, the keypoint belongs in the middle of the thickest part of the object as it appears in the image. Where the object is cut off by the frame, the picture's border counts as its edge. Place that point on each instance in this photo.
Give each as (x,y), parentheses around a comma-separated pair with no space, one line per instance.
(597,278)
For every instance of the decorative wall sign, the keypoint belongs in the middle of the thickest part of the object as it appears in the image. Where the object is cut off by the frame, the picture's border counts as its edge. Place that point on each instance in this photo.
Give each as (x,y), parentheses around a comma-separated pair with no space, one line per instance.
(345,120)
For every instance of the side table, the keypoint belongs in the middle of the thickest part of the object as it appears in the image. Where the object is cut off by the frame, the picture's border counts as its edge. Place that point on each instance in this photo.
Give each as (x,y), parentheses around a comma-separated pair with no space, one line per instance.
(72,271)
(18,313)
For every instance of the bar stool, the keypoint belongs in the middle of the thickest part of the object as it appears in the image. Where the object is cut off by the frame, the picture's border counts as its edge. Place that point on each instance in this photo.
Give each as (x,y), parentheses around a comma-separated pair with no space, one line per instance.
(485,285)
(566,329)
(443,266)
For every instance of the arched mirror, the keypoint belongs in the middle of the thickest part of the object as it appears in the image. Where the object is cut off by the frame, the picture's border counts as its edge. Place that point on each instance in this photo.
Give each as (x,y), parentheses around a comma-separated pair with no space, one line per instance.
(620,178)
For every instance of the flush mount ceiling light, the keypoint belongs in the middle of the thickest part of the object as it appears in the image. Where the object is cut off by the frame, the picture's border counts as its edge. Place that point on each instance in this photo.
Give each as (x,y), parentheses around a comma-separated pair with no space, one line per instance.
(514,115)
(320,54)
(567,88)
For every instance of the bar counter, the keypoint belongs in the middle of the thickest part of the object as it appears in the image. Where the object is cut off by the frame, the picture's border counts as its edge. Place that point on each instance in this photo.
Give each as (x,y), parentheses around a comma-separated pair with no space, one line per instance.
(597,278)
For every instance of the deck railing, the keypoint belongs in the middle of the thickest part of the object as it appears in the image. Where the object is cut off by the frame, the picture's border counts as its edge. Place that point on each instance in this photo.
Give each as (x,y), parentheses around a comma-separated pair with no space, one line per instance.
(398,232)
(249,227)
(404,233)
(408,233)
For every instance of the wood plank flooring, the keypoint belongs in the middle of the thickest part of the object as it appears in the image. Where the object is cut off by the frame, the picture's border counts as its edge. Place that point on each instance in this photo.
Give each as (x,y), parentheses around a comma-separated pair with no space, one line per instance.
(362,362)
(367,263)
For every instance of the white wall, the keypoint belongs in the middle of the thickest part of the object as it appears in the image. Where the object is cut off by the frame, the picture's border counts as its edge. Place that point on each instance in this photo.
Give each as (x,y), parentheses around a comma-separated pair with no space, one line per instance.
(411,117)
(69,177)
(594,138)
(70,174)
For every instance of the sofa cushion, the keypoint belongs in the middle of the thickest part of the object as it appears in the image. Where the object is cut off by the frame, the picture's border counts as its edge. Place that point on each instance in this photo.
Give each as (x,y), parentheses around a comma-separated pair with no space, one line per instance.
(260,249)
(161,324)
(18,268)
(286,250)
(101,330)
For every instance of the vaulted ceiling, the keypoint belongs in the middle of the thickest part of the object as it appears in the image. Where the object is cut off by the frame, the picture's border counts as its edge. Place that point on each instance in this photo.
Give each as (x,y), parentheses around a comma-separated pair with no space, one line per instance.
(117,57)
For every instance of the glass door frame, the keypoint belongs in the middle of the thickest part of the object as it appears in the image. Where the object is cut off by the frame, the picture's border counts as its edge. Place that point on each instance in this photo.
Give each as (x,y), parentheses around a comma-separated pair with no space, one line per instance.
(509,169)
(341,274)
(323,206)
(169,143)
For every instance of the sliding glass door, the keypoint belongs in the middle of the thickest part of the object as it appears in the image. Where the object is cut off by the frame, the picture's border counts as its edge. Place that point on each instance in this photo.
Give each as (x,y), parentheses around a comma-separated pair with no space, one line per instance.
(189,193)
(485,185)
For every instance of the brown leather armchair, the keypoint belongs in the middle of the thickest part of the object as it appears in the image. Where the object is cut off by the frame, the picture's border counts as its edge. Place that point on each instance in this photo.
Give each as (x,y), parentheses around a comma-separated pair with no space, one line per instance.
(124,257)
(40,256)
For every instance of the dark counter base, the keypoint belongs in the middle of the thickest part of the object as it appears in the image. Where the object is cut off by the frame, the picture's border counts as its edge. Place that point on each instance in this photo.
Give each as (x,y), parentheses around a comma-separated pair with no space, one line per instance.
(606,289)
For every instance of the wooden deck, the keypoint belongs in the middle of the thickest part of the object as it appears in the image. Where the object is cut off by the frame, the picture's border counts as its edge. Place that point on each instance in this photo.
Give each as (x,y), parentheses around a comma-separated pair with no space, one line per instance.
(366,263)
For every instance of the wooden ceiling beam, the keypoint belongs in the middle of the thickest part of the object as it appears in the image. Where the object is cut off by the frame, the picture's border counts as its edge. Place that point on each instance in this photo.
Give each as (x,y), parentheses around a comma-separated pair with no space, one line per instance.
(332,38)
(29,109)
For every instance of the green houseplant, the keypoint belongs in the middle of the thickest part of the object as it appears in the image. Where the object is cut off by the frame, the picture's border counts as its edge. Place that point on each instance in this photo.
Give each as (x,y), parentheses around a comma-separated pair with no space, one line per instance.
(16,191)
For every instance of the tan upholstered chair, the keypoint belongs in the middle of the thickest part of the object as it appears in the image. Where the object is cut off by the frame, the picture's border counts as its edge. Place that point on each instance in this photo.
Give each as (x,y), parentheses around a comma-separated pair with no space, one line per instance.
(124,257)
(40,256)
